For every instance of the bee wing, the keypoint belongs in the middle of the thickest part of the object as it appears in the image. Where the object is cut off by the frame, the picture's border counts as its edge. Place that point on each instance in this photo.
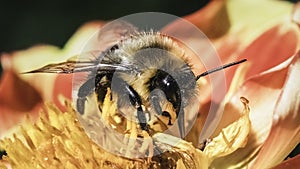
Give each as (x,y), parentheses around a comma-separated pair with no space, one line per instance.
(87,62)
(110,35)
(73,67)
(114,32)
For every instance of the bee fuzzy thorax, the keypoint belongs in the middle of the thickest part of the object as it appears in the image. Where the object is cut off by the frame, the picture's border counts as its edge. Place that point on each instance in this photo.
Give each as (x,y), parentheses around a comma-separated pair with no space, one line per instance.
(161,80)
(148,52)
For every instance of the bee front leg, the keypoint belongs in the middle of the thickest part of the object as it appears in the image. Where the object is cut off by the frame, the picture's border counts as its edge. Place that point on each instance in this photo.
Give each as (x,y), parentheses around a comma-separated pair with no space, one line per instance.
(85,90)
(126,91)
(92,85)
(136,101)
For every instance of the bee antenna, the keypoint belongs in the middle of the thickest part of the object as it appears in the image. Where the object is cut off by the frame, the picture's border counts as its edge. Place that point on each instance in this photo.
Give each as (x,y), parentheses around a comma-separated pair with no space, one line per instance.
(220,68)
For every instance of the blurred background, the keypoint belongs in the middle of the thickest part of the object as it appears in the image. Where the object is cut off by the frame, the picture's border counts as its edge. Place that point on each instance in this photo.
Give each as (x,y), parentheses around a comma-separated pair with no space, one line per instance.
(25,23)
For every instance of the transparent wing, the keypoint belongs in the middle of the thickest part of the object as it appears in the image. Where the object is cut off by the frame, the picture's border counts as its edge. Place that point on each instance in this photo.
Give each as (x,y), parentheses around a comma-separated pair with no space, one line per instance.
(115,31)
(73,67)
(81,64)
(109,35)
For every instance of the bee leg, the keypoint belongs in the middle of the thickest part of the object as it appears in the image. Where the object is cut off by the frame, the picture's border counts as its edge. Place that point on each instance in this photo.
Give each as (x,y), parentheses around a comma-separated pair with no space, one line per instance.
(87,89)
(80,104)
(154,100)
(181,123)
(137,102)
(175,99)
(101,88)
(166,83)
(125,90)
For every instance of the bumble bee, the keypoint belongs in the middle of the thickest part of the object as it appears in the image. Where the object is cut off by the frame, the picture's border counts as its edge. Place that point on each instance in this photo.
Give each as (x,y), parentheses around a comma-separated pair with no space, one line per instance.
(148,74)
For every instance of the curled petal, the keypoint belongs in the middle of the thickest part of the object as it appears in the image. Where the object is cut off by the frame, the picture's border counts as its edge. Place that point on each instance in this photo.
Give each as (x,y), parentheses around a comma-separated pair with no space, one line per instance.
(208,130)
(263,92)
(232,137)
(285,131)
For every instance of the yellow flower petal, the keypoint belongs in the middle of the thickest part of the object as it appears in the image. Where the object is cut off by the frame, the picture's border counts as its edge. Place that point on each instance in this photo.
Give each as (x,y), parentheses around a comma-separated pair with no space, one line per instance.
(194,158)
(232,137)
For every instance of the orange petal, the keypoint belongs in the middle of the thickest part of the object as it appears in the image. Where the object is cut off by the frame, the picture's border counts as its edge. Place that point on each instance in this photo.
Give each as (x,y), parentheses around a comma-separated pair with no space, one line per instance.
(236,32)
(292,163)
(263,92)
(13,88)
(16,97)
(285,131)
(261,52)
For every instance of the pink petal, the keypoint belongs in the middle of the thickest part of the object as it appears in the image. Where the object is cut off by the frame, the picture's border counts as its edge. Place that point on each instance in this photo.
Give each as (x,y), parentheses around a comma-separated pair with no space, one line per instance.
(285,131)
(270,49)
(292,163)
(16,97)
(263,92)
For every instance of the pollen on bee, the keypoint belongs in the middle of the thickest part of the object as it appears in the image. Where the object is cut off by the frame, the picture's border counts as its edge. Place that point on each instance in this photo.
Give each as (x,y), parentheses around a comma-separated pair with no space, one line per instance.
(117,119)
